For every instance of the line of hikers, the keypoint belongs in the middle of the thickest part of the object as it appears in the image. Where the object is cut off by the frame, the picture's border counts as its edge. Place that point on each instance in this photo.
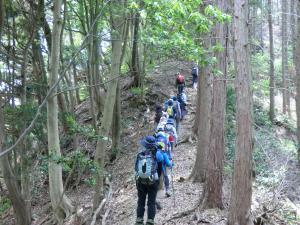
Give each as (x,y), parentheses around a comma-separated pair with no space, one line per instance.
(154,161)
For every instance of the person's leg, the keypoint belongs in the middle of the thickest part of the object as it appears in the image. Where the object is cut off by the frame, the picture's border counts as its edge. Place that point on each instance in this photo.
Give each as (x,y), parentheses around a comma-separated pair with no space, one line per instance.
(142,193)
(194,81)
(152,192)
(177,125)
(167,183)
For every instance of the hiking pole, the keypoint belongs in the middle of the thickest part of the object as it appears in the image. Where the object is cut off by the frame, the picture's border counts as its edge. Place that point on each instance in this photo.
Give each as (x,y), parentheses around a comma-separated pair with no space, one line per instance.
(172,181)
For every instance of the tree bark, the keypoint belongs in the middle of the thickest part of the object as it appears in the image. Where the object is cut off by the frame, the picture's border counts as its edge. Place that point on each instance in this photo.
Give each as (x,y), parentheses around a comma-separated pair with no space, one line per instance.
(135,52)
(117,16)
(198,173)
(241,192)
(212,196)
(284,55)
(272,74)
(198,105)
(297,58)
(61,205)
(116,126)
(21,212)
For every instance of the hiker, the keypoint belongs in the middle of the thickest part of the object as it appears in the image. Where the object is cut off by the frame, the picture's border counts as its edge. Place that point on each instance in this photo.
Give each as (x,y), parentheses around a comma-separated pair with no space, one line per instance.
(178,114)
(148,168)
(170,109)
(182,99)
(195,72)
(158,114)
(162,121)
(180,82)
(165,163)
(171,131)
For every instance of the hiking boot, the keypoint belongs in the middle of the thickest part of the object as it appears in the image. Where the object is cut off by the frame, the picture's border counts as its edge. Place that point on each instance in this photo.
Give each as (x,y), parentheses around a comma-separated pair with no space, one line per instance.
(168,194)
(158,205)
(150,222)
(139,221)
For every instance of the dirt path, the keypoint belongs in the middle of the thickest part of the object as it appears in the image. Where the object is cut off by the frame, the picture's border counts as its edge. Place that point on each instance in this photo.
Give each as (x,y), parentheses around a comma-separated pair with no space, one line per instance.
(124,200)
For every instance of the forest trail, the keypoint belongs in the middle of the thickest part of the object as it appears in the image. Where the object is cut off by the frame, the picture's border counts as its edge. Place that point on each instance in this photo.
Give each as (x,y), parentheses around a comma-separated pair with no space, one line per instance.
(124,200)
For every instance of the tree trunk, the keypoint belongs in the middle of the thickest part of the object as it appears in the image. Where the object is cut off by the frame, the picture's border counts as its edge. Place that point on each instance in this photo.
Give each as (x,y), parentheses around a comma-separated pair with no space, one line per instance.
(39,71)
(135,52)
(117,10)
(198,173)
(61,205)
(272,75)
(73,64)
(241,192)
(2,16)
(212,196)
(297,58)
(293,29)
(21,212)
(284,55)
(198,105)
(116,126)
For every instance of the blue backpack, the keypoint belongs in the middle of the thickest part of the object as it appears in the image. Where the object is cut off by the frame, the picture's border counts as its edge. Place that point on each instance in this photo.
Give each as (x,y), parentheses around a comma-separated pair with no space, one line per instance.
(146,167)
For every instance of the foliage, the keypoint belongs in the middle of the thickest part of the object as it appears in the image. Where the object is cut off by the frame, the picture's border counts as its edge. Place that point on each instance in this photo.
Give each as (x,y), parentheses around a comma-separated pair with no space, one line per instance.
(260,71)
(230,127)
(19,116)
(5,204)
(261,117)
(86,130)
(138,91)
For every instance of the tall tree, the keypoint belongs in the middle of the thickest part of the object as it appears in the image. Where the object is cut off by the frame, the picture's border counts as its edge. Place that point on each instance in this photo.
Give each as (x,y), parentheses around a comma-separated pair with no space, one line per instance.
(22,213)
(135,59)
(204,95)
(117,22)
(61,205)
(240,204)
(214,169)
(297,59)
(272,75)
(284,55)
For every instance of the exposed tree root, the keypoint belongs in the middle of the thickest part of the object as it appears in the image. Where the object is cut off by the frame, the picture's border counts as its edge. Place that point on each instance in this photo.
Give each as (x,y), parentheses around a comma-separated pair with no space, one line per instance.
(98,211)
(182,214)
(187,139)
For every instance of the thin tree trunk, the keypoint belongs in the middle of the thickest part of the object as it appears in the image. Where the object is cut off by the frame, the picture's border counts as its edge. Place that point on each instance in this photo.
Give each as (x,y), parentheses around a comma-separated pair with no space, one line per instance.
(284,55)
(117,10)
(22,215)
(297,58)
(73,65)
(2,16)
(135,52)
(241,192)
(39,71)
(61,205)
(272,74)
(116,126)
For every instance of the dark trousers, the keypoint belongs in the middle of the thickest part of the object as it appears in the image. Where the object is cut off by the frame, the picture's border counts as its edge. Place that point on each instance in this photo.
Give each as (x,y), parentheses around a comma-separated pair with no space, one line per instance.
(143,191)
(177,124)
(166,180)
(195,78)
(180,88)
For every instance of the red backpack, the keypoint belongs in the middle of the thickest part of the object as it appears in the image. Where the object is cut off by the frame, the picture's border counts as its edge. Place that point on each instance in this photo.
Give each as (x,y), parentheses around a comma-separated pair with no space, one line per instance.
(180,78)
